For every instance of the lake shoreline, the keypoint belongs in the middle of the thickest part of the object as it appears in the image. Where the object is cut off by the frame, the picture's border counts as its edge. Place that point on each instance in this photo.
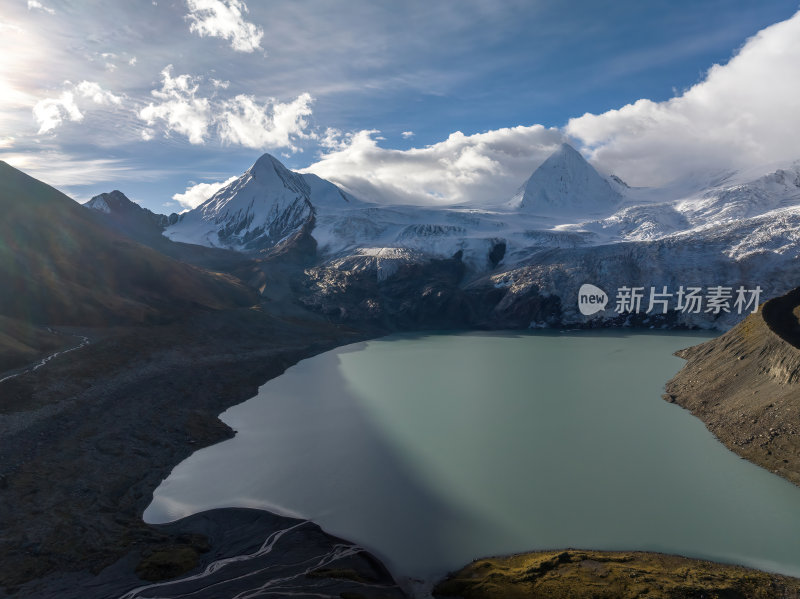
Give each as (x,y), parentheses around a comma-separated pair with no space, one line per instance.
(106,527)
(96,431)
(488,449)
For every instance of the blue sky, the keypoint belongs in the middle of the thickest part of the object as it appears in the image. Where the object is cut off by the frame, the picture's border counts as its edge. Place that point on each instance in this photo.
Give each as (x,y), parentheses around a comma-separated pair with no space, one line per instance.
(156,97)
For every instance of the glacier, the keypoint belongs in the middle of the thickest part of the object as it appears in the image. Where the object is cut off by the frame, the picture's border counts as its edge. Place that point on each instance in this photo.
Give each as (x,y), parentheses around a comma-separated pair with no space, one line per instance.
(567,225)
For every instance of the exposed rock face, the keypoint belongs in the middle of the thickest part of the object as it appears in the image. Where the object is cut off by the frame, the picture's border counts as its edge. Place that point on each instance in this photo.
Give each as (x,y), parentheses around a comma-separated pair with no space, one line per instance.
(745,385)
(422,294)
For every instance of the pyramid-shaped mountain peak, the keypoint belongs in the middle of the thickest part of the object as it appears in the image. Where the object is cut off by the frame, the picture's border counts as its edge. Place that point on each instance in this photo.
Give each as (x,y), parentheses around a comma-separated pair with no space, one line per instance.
(565,182)
(270,171)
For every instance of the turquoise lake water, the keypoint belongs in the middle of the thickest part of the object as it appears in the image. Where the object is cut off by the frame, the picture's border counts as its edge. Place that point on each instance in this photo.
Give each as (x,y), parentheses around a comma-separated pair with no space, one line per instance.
(432,450)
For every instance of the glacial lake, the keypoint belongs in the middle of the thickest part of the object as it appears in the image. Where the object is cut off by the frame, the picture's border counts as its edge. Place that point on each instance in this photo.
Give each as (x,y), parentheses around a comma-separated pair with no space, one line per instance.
(432,450)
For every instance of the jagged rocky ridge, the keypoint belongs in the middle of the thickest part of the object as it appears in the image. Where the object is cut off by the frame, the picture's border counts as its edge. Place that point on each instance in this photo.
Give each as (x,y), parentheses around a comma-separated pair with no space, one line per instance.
(117,203)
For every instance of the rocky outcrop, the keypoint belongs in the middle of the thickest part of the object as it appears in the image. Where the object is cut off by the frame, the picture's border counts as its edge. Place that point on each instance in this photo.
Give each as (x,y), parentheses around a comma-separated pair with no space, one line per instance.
(745,386)
(607,574)
(422,294)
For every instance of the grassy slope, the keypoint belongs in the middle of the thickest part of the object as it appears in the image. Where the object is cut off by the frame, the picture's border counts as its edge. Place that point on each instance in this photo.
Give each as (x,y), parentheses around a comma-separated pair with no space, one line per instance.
(613,575)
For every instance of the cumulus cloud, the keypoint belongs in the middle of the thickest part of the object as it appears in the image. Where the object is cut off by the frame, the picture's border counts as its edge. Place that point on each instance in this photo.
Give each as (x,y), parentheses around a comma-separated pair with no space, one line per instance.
(178,107)
(742,113)
(273,124)
(36,5)
(199,193)
(93,91)
(241,120)
(407,134)
(482,168)
(52,112)
(224,19)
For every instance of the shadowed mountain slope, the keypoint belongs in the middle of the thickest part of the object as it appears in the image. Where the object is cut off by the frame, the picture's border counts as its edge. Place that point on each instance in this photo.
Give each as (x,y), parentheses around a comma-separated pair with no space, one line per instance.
(59,266)
(124,216)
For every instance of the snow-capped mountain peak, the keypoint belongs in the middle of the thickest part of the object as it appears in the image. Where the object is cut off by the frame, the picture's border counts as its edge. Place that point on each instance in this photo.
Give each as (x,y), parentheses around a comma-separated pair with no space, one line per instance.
(565,183)
(265,205)
(567,224)
(271,173)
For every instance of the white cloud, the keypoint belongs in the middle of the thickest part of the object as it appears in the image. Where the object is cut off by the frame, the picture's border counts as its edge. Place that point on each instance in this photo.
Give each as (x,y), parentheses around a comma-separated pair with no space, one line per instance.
(407,134)
(52,112)
(35,4)
(93,91)
(336,139)
(271,125)
(225,19)
(484,168)
(241,120)
(199,193)
(742,113)
(179,108)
